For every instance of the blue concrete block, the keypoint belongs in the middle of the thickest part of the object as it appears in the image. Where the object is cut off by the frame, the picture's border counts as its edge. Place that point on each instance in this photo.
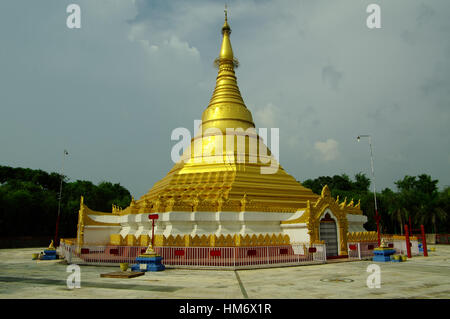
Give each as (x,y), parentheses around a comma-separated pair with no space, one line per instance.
(149,260)
(385,252)
(155,267)
(381,258)
(383,255)
(48,257)
(152,264)
(135,267)
(50,252)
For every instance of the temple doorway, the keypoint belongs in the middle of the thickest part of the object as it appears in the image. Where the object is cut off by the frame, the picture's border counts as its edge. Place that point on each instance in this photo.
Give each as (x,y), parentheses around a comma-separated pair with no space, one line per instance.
(328,233)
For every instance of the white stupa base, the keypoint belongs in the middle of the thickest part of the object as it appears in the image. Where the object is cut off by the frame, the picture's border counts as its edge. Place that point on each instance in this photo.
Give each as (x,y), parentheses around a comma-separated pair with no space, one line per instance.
(206,223)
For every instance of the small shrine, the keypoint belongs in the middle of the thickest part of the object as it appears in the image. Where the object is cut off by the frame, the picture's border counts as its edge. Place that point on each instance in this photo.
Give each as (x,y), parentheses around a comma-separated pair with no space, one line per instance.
(148,261)
(49,253)
(383,253)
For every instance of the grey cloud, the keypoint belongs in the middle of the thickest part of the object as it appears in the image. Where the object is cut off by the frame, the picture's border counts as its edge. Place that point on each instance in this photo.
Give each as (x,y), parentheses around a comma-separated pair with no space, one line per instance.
(437,87)
(112,99)
(408,37)
(331,76)
(425,14)
(384,112)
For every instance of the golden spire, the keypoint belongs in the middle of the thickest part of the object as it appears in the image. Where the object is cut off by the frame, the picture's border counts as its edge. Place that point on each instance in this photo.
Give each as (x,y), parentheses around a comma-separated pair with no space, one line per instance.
(226,108)
(226,52)
(226,16)
(226,185)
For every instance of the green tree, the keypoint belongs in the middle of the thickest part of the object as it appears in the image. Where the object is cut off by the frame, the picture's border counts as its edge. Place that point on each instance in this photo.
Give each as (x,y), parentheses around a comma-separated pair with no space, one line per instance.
(422,201)
(362,183)
(395,209)
(29,201)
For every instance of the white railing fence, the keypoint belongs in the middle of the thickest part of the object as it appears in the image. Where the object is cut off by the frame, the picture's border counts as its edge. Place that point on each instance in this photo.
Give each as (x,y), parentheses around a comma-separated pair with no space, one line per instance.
(400,247)
(361,250)
(201,257)
(364,250)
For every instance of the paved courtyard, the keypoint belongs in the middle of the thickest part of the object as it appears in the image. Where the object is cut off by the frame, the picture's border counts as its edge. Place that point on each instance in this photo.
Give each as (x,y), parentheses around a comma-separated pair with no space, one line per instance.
(419,277)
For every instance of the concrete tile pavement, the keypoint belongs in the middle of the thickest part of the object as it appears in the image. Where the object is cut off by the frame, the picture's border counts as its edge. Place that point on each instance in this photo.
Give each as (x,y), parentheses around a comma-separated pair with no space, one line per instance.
(419,277)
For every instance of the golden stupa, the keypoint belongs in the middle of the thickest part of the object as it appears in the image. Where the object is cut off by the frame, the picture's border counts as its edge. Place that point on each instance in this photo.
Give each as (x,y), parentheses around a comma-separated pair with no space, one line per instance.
(217,196)
(203,184)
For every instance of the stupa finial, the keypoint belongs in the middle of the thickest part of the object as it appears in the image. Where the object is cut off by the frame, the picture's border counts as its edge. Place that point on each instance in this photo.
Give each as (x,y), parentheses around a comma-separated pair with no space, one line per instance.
(226,27)
(226,52)
(226,109)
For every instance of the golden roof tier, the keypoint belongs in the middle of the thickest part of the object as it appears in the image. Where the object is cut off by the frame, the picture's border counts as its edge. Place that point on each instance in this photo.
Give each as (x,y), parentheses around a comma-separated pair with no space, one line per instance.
(210,177)
(226,108)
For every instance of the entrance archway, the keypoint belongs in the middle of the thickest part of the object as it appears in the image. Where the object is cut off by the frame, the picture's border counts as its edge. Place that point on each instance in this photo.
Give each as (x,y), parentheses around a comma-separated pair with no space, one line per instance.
(328,233)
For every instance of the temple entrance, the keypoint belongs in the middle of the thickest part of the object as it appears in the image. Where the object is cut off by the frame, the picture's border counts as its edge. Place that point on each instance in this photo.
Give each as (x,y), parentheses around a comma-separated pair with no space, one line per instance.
(328,233)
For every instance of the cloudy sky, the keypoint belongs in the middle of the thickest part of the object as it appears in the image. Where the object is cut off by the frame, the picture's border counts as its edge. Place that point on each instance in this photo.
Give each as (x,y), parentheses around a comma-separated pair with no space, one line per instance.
(112,92)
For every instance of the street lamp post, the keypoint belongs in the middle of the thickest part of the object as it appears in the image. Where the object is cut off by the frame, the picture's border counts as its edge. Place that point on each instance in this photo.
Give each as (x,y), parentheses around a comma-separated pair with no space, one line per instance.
(377,217)
(59,201)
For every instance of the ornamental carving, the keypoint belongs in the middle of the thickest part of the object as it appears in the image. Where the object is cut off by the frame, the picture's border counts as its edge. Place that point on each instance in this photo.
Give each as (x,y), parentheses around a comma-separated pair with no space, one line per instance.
(244,202)
(315,212)
(157,205)
(229,240)
(170,203)
(195,202)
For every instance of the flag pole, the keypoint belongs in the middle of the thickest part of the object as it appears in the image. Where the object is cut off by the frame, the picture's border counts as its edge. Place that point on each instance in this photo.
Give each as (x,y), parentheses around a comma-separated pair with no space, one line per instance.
(56,243)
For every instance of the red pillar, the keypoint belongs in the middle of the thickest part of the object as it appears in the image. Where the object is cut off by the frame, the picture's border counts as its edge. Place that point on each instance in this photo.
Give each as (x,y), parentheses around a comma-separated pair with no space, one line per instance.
(153,217)
(408,243)
(153,232)
(424,241)
(410,227)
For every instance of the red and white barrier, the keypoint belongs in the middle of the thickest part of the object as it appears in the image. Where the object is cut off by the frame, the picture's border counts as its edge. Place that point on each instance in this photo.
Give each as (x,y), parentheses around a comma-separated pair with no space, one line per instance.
(400,247)
(201,257)
(361,250)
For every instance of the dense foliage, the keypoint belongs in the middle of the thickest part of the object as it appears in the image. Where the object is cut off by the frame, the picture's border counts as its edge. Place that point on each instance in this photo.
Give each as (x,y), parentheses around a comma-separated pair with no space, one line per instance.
(29,201)
(417,197)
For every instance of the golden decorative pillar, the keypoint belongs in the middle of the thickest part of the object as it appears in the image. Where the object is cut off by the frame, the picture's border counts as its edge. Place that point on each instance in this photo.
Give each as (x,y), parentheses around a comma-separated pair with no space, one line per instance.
(244,202)
(220,202)
(133,209)
(115,239)
(343,227)
(130,240)
(80,226)
(187,240)
(195,202)
(160,240)
(144,240)
(212,240)
(237,240)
